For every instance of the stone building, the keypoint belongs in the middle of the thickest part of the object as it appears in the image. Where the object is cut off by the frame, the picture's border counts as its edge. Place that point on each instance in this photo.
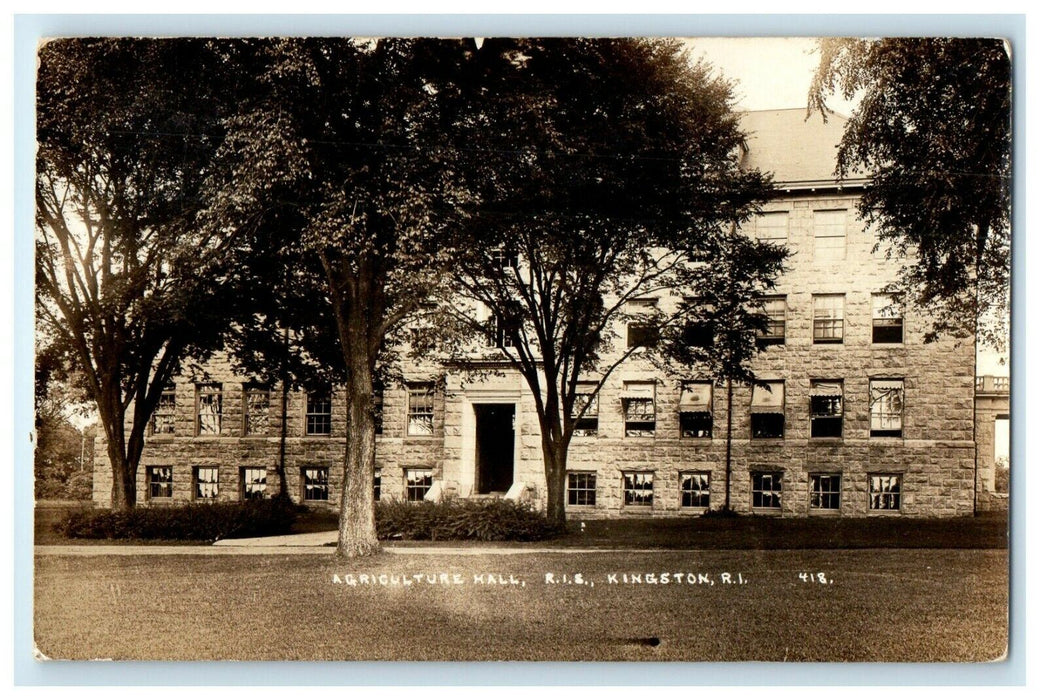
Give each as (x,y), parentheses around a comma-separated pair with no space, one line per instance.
(861,417)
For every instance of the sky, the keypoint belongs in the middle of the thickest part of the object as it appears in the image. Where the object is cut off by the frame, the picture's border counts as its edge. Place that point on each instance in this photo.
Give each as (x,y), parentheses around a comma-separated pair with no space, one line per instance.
(775,73)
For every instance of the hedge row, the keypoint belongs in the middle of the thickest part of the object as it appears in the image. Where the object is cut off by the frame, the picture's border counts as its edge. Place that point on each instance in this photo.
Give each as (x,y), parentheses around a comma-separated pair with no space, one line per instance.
(486,521)
(209,521)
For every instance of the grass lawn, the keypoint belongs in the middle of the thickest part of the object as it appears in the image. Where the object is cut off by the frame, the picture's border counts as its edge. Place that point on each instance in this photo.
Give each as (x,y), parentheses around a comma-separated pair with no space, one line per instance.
(882,605)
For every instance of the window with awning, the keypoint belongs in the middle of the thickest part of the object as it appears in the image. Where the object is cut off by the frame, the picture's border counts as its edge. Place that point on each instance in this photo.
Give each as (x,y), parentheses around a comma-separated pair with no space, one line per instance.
(696,409)
(768,410)
(826,408)
(586,413)
(638,409)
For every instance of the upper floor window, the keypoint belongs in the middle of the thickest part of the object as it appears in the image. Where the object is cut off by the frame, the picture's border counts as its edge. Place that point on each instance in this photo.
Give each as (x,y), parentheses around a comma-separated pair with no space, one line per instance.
(256,410)
(768,410)
(318,413)
(638,408)
(773,227)
(886,406)
(641,330)
(774,309)
(830,234)
(696,409)
(209,409)
(586,412)
(828,318)
(826,408)
(420,409)
(502,333)
(164,413)
(698,333)
(886,319)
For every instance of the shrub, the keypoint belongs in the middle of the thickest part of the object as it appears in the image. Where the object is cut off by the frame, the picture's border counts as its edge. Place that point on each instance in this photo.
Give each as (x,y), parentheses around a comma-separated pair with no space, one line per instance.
(486,521)
(197,521)
(721,512)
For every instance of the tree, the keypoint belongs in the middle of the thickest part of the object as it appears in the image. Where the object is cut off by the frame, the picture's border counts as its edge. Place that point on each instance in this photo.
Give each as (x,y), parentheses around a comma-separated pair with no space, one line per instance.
(127,285)
(601,172)
(932,132)
(339,160)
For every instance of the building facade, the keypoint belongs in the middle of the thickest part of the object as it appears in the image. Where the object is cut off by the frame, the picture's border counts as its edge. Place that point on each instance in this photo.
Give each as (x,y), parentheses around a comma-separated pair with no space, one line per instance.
(857,416)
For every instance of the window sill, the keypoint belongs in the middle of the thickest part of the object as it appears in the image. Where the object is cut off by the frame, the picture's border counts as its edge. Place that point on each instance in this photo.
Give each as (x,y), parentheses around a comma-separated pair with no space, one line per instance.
(828,342)
(826,440)
(766,511)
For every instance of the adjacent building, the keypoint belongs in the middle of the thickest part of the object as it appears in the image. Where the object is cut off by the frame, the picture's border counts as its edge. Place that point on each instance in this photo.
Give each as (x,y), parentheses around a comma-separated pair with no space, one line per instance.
(858,416)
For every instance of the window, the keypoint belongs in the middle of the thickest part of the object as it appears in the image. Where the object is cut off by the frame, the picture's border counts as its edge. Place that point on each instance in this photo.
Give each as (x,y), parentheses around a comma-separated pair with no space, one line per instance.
(641,330)
(886,406)
(885,491)
(161,482)
(696,410)
(767,489)
(638,408)
(256,410)
(209,409)
(768,411)
(418,482)
(503,258)
(826,408)
(581,489)
(886,319)
(828,318)
(205,483)
(774,309)
(378,407)
(825,491)
(586,418)
(420,405)
(694,489)
(773,227)
(314,484)
(164,413)
(377,484)
(501,333)
(830,234)
(252,483)
(698,333)
(638,488)
(318,413)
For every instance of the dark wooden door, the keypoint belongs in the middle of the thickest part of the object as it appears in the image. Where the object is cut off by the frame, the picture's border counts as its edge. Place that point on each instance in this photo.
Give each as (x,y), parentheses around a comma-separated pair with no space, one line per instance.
(495,439)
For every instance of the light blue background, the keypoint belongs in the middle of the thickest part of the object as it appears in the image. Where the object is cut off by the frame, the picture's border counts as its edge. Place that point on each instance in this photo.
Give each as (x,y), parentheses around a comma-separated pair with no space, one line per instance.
(30,28)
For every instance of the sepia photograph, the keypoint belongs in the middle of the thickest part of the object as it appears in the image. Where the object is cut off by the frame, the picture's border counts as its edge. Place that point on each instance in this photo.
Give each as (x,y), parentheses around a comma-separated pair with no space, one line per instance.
(522,349)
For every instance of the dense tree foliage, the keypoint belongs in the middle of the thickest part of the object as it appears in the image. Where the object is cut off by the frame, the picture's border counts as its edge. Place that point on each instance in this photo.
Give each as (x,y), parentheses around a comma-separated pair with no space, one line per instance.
(603,172)
(932,131)
(127,285)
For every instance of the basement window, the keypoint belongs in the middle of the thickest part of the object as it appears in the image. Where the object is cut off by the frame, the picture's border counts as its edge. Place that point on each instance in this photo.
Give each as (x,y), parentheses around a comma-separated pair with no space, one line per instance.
(885,491)
(161,482)
(205,483)
(825,491)
(638,488)
(252,483)
(417,483)
(314,484)
(694,489)
(581,488)
(767,490)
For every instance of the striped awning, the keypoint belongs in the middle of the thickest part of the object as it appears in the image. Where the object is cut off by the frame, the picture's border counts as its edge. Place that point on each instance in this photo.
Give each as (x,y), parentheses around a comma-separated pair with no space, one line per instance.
(769,400)
(696,397)
(826,388)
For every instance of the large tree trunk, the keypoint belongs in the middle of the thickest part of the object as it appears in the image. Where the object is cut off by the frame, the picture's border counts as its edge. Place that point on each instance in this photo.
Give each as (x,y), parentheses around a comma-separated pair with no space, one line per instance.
(123,493)
(357,536)
(555,456)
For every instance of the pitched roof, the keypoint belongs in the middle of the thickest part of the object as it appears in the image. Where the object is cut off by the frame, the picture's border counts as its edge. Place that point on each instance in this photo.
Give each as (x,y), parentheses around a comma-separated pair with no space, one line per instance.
(797,150)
